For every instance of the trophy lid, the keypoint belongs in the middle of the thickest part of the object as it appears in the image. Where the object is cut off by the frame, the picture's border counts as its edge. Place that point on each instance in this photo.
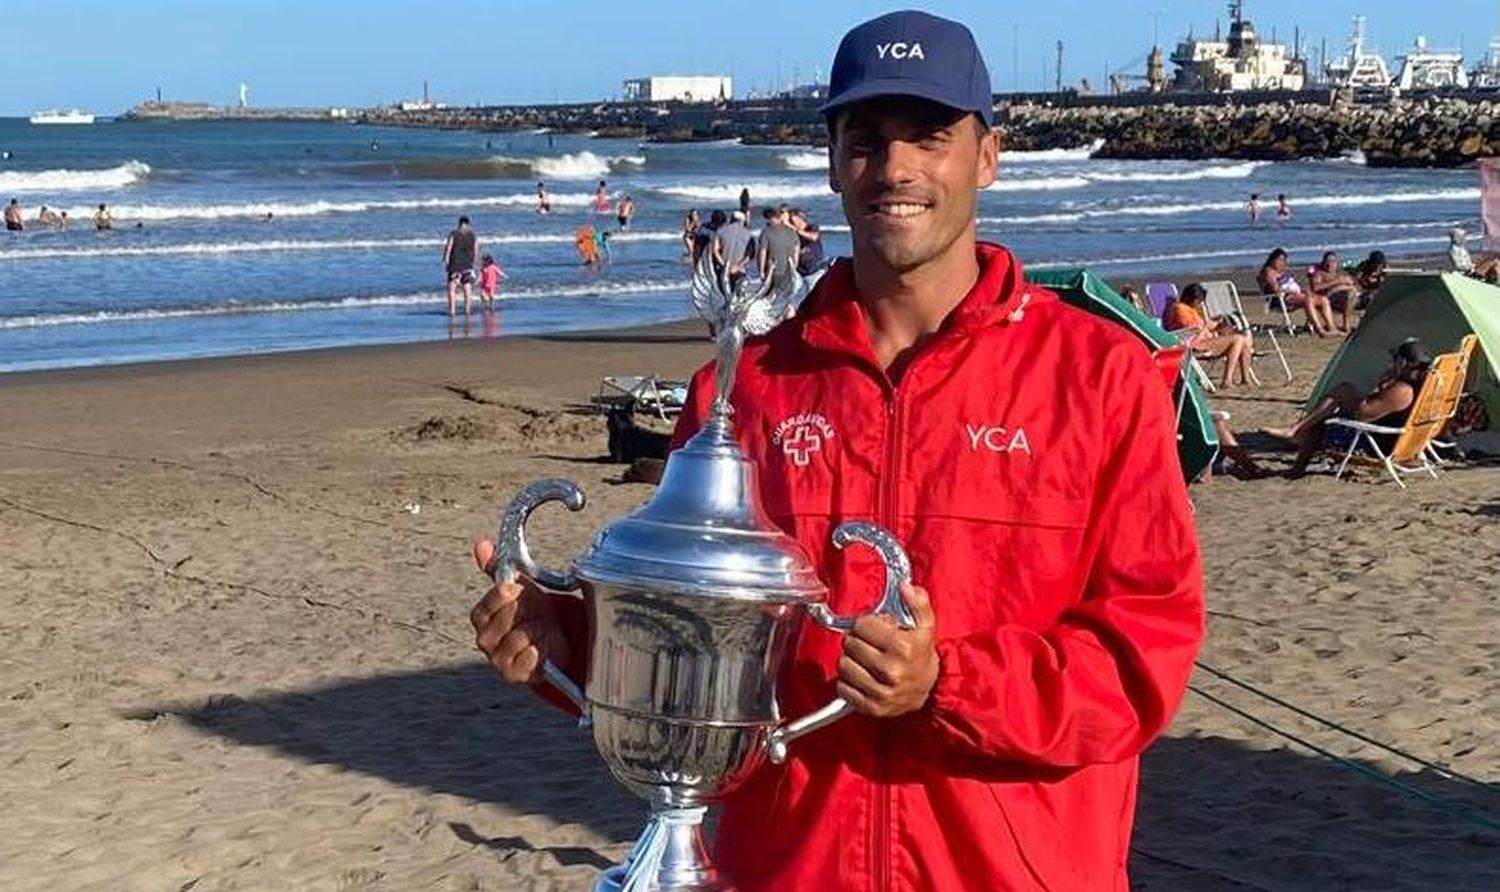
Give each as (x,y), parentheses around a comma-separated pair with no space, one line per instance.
(704,532)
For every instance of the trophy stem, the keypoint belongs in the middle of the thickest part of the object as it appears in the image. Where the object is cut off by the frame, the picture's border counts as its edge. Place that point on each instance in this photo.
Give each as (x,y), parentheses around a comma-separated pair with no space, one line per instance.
(669,856)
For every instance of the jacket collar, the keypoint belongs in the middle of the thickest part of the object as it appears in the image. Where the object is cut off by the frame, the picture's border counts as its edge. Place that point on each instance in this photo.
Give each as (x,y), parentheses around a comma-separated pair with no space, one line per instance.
(833,318)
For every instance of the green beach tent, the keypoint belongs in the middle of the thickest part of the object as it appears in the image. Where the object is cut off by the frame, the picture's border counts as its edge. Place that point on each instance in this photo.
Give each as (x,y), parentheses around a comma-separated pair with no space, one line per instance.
(1197,442)
(1439,308)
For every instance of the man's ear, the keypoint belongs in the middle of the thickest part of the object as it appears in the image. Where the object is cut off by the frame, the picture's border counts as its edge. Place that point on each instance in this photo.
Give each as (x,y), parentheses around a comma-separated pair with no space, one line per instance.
(988,162)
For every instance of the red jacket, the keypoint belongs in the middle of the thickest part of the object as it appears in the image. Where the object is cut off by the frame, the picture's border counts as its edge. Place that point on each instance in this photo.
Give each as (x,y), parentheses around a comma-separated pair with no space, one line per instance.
(1027,461)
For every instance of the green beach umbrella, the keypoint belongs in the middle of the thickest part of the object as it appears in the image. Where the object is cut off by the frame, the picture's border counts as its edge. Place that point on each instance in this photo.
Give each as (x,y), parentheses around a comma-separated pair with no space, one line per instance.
(1197,442)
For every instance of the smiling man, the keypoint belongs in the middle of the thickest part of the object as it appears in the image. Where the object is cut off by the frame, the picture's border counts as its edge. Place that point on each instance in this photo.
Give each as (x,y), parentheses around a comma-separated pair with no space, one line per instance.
(1023,451)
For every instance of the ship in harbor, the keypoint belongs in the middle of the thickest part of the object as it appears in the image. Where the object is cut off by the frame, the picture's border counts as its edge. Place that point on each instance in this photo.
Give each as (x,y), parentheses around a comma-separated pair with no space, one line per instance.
(62,116)
(1428,69)
(1486,75)
(1359,69)
(1242,63)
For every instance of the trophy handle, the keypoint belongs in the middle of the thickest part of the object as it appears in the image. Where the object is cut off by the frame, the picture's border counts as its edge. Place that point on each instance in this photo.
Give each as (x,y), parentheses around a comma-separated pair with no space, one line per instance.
(513,558)
(897,573)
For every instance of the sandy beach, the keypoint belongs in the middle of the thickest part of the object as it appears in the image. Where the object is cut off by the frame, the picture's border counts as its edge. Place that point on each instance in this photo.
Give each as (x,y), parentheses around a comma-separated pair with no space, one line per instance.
(235,595)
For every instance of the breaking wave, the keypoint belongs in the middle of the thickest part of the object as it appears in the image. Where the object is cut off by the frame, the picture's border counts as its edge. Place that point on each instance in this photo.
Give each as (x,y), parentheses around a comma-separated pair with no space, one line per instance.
(806,161)
(1223,172)
(759,191)
(64,180)
(1167,210)
(578,166)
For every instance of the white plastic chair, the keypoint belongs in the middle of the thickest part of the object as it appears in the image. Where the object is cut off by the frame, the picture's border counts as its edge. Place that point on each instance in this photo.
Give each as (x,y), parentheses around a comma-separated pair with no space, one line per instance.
(1224,300)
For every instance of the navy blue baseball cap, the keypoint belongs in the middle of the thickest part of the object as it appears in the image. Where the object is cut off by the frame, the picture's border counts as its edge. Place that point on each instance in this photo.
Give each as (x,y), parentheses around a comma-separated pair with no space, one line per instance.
(910,53)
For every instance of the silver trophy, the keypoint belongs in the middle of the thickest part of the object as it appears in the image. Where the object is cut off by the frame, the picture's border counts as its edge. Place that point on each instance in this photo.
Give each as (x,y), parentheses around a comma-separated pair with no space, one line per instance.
(695,601)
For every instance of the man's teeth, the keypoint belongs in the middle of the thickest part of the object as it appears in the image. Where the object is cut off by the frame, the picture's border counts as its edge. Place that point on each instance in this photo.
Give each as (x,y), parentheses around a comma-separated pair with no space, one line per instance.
(901,210)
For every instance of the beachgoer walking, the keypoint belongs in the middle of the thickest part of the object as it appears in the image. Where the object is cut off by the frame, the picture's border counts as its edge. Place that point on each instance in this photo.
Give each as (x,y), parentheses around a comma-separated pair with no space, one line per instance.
(102,220)
(1283,209)
(704,239)
(543,200)
(731,247)
(776,254)
(1253,208)
(490,275)
(998,739)
(689,234)
(459,252)
(13,221)
(810,255)
(625,211)
(587,244)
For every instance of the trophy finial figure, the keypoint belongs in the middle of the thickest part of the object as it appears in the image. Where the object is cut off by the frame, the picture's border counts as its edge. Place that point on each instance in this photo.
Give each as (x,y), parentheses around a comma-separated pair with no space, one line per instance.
(734,311)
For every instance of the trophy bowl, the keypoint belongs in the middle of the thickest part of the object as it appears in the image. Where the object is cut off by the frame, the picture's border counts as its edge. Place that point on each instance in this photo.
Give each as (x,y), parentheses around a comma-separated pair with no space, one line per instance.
(695,602)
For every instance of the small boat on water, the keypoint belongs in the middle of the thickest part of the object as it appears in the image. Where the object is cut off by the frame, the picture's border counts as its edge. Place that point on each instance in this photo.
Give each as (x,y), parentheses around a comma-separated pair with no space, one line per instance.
(63,116)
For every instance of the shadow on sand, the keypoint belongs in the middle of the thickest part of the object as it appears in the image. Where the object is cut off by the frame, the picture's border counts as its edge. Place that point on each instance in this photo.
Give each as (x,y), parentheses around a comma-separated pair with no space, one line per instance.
(1213,815)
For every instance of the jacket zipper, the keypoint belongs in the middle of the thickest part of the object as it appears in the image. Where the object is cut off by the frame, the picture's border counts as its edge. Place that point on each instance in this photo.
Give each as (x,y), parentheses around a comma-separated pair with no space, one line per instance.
(890,514)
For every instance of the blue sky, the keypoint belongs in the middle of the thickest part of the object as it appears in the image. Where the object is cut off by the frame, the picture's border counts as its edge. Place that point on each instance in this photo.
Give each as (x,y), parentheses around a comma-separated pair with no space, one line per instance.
(107,55)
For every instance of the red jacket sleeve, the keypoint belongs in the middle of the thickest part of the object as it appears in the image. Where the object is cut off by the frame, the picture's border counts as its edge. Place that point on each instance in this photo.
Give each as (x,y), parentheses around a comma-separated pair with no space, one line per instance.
(695,410)
(1106,678)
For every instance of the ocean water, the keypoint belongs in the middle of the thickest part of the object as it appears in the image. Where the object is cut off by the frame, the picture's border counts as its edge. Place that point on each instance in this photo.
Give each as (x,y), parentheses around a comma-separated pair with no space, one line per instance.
(352,251)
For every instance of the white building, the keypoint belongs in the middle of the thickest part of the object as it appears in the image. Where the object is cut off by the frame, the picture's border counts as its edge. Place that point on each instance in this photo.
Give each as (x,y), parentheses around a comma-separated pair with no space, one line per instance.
(676,88)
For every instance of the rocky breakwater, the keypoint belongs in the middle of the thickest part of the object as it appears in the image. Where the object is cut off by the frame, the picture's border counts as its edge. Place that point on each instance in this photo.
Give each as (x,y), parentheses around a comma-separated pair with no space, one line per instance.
(1435,132)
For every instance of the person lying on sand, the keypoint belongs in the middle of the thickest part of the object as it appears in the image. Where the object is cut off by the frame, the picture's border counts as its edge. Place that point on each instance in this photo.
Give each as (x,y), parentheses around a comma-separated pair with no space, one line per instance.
(1387,403)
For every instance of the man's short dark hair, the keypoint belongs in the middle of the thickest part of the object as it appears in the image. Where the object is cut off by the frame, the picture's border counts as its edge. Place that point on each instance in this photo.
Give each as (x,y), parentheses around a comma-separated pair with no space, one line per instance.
(463,221)
(769,213)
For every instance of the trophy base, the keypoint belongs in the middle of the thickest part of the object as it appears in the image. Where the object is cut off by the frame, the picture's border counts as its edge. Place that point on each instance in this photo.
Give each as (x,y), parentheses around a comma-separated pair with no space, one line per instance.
(669,856)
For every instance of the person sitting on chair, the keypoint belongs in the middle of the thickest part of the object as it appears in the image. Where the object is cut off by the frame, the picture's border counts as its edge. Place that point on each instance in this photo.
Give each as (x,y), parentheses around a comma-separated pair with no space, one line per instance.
(1386,404)
(1279,283)
(1216,337)
(1369,276)
(1486,268)
(1329,279)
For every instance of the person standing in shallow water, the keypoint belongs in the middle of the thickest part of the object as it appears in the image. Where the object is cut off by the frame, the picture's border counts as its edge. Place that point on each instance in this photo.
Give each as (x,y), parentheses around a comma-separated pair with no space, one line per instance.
(459,253)
(1058,596)
(1253,208)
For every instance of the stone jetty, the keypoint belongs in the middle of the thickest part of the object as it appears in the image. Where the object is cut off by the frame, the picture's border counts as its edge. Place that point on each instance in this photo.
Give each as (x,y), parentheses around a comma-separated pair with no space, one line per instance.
(1435,131)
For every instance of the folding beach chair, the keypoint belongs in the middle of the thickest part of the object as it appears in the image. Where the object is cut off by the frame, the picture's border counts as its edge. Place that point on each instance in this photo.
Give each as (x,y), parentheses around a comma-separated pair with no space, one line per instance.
(1224,300)
(1410,453)
(1466,348)
(1277,301)
(645,393)
(1159,295)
